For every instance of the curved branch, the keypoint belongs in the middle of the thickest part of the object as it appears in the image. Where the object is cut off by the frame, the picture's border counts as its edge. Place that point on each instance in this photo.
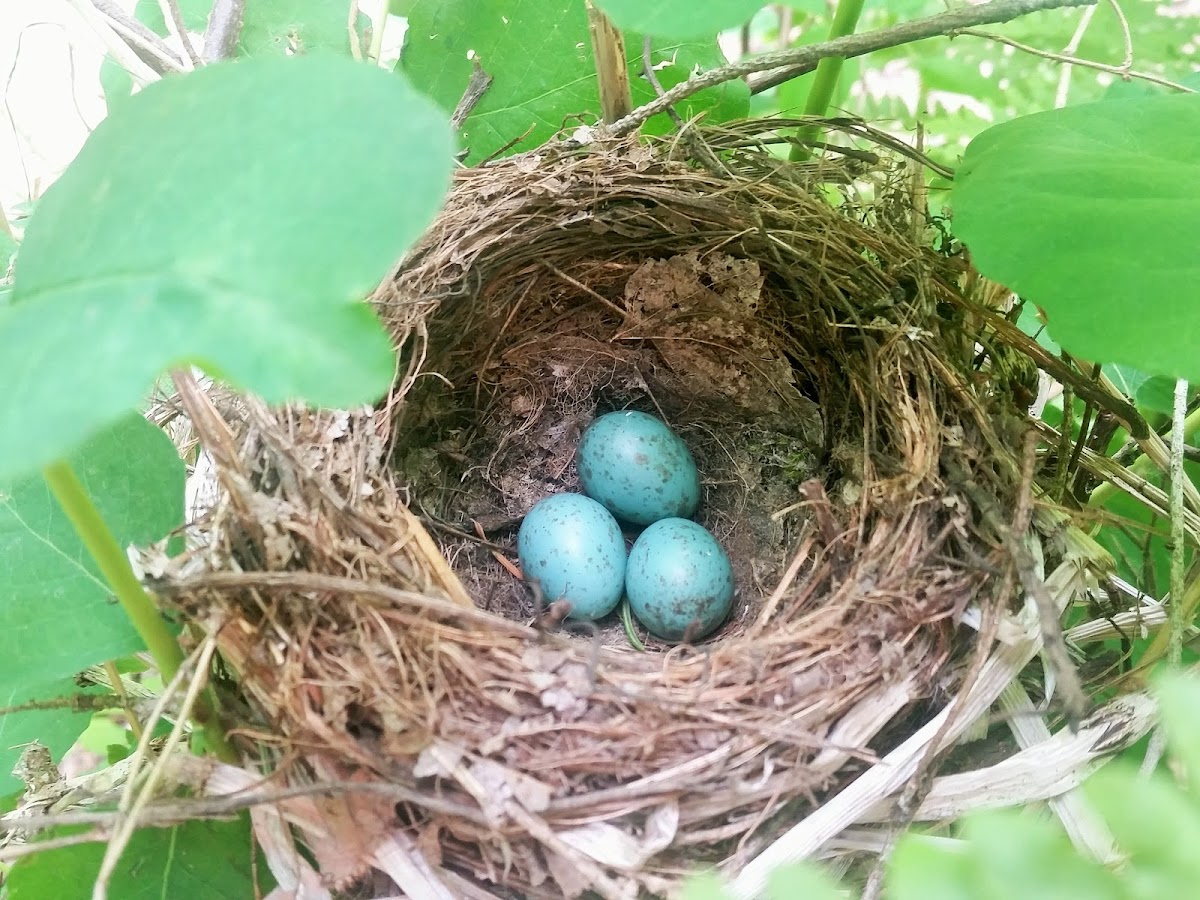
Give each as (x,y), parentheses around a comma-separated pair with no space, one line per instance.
(797,61)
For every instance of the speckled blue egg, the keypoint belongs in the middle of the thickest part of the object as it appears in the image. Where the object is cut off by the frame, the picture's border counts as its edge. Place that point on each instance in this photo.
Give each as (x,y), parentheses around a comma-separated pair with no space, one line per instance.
(638,468)
(679,580)
(574,548)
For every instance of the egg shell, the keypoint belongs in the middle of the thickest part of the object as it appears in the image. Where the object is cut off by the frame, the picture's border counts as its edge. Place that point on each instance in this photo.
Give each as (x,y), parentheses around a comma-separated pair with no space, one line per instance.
(638,468)
(574,548)
(677,575)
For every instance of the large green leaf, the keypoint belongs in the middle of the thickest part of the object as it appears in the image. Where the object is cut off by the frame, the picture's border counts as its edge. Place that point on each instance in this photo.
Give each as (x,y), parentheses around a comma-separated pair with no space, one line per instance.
(56,729)
(1091,211)
(539,56)
(209,860)
(232,218)
(56,614)
(679,18)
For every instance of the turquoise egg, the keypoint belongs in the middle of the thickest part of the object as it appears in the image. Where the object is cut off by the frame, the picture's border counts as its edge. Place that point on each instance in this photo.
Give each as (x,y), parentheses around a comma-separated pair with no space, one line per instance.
(638,468)
(574,548)
(679,580)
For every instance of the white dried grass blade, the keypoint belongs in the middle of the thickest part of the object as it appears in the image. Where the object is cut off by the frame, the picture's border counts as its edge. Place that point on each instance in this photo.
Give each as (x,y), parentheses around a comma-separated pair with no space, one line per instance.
(611,846)
(1048,769)
(1085,828)
(889,775)
(399,857)
(862,723)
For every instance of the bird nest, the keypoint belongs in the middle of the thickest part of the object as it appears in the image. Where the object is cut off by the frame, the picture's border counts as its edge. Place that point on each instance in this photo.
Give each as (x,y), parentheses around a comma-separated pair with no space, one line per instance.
(794,325)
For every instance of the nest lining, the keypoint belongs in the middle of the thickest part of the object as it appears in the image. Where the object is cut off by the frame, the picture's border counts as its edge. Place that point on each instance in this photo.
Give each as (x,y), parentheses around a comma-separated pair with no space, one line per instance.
(365,647)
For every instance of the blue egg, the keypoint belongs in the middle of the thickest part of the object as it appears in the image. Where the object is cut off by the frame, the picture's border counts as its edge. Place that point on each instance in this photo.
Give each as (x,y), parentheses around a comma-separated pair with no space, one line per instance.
(679,580)
(638,468)
(574,548)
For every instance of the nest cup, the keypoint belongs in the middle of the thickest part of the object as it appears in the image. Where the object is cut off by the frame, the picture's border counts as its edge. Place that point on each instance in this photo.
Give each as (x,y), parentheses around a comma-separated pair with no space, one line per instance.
(817,358)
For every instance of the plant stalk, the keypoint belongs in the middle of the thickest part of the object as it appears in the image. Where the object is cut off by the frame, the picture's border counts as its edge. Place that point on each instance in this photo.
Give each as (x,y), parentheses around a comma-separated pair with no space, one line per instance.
(137,603)
(820,95)
(1177,613)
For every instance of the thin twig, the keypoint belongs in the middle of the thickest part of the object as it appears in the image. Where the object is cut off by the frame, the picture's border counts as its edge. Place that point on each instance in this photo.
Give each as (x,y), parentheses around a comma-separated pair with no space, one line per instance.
(149,787)
(118,688)
(174,21)
(1177,623)
(1064,78)
(798,61)
(1126,35)
(145,43)
(141,72)
(356,49)
(224,29)
(1077,61)
(648,74)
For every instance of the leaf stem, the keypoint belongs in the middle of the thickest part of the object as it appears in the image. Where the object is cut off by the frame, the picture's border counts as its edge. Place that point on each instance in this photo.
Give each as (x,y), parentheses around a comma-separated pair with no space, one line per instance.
(73,497)
(630,629)
(820,95)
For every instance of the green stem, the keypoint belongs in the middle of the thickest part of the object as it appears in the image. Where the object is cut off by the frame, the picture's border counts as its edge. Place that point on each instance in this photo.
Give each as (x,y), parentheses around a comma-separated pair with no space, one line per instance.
(1142,466)
(820,95)
(73,497)
(630,629)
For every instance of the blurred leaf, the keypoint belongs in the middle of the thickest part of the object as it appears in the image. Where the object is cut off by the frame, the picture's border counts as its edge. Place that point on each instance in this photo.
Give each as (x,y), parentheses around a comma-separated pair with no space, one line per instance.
(1178,697)
(540,59)
(1156,394)
(284,189)
(1019,854)
(209,860)
(801,880)
(923,870)
(193,12)
(57,616)
(1156,823)
(55,729)
(706,886)
(115,82)
(1127,379)
(679,18)
(1090,211)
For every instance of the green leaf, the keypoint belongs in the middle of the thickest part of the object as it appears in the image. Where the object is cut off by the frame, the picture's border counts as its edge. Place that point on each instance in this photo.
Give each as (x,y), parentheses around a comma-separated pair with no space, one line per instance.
(1179,706)
(1156,823)
(299,26)
(923,870)
(705,887)
(802,880)
(1126,379)
(679,18)
(234,218)
(55,729)
(1020,855)
(210,860)
(539,56)
(1156,394)
(116,83)
(56,614)
(1090,211)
